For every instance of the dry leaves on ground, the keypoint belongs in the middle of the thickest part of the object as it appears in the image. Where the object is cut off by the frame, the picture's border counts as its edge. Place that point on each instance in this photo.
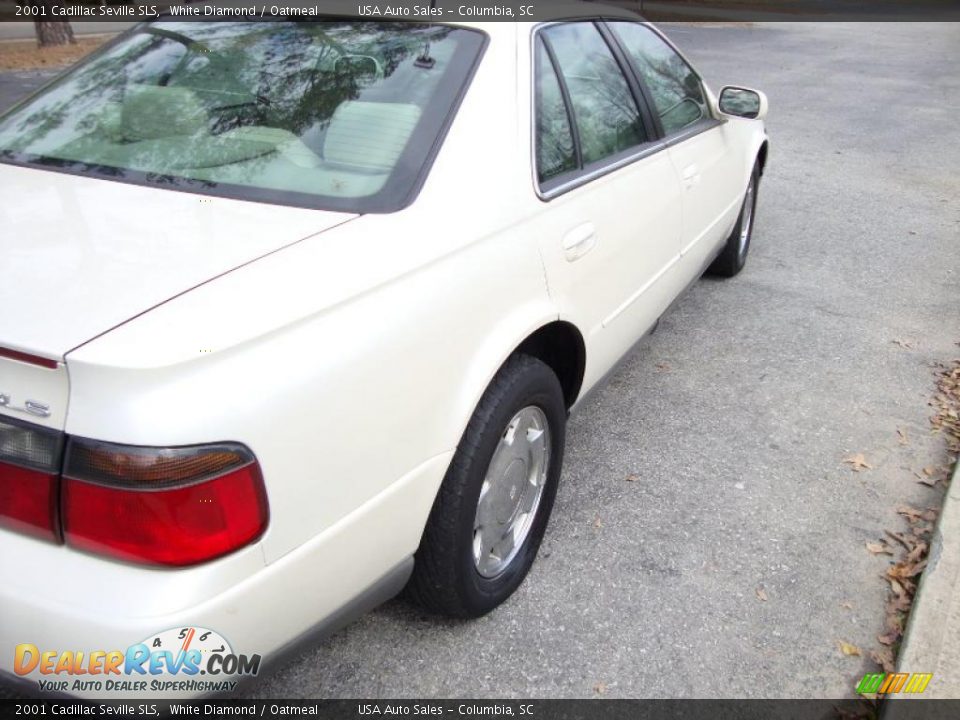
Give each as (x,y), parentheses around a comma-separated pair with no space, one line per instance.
(880,548)
(902,576)
(26,55)
(884,658)
(761,593)
(904,573)
(848,649)
(858,462)
(946,404)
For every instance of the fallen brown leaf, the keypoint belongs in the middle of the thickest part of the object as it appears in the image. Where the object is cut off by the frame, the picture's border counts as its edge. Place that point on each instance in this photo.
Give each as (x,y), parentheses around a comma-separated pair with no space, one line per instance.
(663,367)
(848,649)
(898,604)
(884,658)
(902,437)
(909,570)
(761,594)
(600,688)
(918,551)
(847,605)
(888,639)
(858,463)
(880,548)
(597,522)
(911,513)
(632,478)
(895,586)
(906,542)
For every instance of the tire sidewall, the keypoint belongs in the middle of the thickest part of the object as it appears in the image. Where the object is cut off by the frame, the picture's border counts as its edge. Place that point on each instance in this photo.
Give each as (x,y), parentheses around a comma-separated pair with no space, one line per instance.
(742,257)
(538,387)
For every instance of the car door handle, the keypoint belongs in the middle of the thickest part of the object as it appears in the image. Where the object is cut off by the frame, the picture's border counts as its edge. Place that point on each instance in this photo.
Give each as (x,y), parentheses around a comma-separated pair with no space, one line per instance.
(579,241)
(691,176)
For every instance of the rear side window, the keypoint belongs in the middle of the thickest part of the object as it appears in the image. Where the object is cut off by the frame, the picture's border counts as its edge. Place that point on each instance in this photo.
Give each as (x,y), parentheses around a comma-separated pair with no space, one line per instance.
(676,89)
(604,110)
(335,115)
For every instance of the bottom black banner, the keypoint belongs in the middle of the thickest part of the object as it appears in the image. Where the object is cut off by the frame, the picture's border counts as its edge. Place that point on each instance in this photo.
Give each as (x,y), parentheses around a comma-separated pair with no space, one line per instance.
(914,709)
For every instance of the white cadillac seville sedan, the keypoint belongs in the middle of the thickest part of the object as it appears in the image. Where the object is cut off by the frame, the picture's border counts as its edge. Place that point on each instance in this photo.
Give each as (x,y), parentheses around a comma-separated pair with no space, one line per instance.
(293,313)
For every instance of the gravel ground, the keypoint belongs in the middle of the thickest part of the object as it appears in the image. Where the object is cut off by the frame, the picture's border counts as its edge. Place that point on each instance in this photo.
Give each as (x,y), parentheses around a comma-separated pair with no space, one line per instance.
(735,418)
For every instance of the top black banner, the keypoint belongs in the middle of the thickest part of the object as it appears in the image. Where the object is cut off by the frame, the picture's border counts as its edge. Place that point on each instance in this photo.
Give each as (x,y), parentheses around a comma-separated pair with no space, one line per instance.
(124,11)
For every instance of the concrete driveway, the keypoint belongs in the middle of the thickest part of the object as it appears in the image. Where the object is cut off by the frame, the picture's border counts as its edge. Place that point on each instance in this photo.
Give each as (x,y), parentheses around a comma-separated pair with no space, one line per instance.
(732,422)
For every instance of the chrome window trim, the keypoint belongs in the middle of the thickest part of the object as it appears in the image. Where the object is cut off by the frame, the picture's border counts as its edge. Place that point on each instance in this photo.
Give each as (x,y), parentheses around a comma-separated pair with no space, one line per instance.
(700,126)
(584,176)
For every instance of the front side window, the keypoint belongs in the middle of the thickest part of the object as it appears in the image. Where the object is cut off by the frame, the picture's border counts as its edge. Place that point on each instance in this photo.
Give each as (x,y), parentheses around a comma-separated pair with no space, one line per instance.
(604,109)
(336,115)
(677,91)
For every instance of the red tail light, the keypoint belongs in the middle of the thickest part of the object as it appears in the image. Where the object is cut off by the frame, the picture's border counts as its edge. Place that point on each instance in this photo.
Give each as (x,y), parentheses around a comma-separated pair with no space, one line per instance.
(29,469)
(162,506)
(155,506)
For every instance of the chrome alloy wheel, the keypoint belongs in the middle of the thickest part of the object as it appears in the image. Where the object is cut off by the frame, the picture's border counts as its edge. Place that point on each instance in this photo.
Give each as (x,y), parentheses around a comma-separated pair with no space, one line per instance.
(511,491)
(747,222)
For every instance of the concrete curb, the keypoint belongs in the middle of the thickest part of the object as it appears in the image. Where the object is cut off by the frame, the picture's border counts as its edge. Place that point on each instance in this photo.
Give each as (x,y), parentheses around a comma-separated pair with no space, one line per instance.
(932,640)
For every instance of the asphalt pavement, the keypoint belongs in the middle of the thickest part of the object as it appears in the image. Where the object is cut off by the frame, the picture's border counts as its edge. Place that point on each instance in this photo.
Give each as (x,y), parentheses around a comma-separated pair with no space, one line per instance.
(708,539)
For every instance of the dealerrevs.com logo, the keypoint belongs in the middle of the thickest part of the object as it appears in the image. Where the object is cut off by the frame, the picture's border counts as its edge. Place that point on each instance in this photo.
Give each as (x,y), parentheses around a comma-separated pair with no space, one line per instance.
(179,660)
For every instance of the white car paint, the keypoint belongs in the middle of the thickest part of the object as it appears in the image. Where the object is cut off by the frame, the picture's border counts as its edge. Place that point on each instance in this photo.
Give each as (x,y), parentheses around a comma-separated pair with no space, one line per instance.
(347,352)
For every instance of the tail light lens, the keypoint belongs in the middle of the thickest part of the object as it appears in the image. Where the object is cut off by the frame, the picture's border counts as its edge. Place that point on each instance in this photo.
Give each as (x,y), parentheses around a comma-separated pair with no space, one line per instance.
(29,476)
(162,506)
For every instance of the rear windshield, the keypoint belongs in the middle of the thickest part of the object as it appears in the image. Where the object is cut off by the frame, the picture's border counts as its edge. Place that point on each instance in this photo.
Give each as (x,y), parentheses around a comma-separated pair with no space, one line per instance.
(334,115)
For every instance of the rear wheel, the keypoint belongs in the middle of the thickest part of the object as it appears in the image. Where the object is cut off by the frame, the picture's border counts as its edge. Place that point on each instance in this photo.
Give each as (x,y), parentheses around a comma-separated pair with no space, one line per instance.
(490,515)
(734,254)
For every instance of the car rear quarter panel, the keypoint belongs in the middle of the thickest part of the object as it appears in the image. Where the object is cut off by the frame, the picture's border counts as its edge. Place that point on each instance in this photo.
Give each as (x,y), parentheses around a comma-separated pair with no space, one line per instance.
(349,359)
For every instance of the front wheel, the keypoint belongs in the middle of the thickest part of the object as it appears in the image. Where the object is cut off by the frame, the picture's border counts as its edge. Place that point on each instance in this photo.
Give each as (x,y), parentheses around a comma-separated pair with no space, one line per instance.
(733,257)
(490,515)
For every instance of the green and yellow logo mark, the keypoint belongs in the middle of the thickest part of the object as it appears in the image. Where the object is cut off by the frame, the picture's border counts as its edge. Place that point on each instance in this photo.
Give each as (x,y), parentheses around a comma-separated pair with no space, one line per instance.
(890,683)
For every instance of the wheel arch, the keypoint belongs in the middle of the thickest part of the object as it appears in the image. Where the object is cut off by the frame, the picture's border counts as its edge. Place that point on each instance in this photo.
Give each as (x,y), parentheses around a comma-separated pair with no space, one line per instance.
(560,345)
(762,155)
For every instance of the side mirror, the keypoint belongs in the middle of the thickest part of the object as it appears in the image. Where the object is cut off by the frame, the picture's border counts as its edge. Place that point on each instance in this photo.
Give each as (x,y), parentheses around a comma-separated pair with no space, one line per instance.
(743,102)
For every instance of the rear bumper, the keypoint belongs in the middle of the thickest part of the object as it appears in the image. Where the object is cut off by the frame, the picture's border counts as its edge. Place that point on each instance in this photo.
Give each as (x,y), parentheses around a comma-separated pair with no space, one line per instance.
(55,598)
(28,687)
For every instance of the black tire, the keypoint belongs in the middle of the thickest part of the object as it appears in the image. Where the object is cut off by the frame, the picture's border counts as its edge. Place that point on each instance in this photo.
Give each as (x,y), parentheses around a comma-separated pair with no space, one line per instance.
(446,579)
(733,257)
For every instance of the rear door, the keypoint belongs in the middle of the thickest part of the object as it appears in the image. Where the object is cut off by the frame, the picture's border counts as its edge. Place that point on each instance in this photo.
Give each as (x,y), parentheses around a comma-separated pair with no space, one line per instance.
(699,144)
(610,233)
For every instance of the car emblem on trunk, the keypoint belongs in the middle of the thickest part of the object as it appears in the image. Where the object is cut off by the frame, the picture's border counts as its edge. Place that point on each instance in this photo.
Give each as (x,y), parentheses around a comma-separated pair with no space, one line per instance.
(31,407)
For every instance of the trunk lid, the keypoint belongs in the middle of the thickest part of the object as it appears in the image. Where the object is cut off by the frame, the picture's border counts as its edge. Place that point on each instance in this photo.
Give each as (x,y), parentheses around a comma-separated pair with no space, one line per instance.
(81,256)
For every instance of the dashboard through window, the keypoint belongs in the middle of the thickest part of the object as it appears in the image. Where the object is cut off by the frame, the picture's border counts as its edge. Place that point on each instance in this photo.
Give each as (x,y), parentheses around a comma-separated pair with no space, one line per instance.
(336,115)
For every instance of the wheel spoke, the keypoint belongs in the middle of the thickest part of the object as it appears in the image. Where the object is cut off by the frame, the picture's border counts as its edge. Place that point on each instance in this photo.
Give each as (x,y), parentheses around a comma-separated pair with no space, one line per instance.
(504,546)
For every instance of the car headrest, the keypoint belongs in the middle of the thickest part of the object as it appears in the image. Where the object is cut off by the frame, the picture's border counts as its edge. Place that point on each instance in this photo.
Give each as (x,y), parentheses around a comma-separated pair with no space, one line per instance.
(369,135)
(154,111)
